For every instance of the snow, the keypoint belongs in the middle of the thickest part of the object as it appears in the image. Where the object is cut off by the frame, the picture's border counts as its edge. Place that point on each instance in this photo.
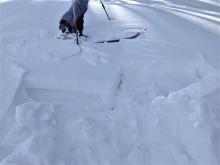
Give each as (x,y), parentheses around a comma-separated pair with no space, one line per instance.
(151,100)
(11,78)
(90,79)
(177,107)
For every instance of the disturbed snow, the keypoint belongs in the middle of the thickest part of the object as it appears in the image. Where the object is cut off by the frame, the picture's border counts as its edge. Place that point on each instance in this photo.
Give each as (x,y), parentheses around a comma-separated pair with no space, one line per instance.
(153,100)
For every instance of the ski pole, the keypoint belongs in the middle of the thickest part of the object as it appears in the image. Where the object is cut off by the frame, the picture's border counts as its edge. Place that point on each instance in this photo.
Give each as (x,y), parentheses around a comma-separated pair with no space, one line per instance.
(74,12)
(103,6)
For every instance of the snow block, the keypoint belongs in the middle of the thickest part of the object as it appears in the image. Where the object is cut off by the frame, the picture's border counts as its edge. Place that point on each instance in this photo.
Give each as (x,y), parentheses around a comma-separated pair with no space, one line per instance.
(75,75)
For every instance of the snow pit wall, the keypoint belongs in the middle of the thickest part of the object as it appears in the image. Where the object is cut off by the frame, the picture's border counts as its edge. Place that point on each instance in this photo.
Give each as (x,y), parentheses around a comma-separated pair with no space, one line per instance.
(11,79)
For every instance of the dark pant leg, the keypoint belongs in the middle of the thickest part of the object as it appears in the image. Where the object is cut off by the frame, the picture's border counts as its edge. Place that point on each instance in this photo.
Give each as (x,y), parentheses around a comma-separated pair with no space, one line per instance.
(65,25)
(67,21)
(80,24)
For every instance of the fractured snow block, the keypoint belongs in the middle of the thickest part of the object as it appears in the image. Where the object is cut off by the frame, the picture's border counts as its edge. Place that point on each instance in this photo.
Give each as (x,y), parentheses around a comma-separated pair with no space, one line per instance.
(75,75)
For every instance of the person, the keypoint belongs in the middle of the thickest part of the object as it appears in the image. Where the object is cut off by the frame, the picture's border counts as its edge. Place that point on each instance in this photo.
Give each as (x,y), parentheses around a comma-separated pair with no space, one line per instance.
(73,20)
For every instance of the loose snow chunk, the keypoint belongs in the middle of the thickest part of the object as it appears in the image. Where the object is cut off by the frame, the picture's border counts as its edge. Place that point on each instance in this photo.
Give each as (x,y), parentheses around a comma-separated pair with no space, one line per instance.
(184,121)
(33,114)
(34,123)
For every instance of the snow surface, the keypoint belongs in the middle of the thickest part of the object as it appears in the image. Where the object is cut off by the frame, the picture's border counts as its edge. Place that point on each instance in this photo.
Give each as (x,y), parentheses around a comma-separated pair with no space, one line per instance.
(151,100)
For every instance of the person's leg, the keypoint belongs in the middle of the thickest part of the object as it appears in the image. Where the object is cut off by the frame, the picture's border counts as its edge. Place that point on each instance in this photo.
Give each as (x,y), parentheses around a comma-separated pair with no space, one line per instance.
(64,26)
(80,24)
(67,21)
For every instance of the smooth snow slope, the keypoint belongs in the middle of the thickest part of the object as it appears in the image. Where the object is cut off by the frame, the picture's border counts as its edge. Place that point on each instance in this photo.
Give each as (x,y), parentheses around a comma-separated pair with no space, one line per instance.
(153,100)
